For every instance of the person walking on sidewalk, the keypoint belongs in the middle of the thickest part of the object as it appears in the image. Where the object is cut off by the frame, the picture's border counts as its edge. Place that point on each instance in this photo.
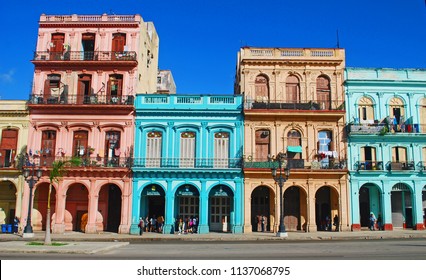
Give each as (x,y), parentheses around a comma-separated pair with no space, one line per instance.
(336,222)
(372,221)
(141,226)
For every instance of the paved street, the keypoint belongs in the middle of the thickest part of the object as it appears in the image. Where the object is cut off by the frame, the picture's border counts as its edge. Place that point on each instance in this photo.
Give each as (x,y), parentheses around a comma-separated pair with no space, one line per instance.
(394,249)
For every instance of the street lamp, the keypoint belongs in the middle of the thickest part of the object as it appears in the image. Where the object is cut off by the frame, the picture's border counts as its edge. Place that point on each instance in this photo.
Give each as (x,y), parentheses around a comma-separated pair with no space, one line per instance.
(281,178)
(31,175)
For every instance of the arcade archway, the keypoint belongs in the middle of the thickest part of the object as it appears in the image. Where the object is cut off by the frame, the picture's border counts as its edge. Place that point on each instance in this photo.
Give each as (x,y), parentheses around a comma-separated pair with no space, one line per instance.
(77,205)
(221,209)
(39,216)
(109,205)
(326,207)
(8,200)
(295,209)
(369,202)
(262,204)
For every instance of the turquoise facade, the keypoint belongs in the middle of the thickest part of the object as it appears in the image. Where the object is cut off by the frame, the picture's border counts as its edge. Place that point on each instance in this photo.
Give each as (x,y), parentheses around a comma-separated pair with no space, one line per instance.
(386,110)
(187,161)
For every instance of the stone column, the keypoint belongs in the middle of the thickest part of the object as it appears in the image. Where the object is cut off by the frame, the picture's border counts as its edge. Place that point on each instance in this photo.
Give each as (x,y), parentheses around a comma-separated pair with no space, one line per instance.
(92,209)
(61,197)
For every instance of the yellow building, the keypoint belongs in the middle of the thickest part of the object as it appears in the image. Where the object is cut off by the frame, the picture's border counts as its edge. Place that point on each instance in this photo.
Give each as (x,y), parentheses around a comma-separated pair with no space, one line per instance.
(294,104)
(14,121)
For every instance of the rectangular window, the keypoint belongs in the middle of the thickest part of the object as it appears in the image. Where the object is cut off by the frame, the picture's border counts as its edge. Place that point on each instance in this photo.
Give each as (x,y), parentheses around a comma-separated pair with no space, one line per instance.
(153,149)
(187,149)
(221,150)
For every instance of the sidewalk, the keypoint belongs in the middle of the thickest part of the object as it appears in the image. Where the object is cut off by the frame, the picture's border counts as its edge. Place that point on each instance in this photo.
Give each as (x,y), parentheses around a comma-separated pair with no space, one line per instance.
(81,243)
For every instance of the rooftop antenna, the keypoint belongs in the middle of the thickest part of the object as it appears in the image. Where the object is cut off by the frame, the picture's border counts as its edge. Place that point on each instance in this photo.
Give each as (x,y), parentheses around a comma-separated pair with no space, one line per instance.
(338,41)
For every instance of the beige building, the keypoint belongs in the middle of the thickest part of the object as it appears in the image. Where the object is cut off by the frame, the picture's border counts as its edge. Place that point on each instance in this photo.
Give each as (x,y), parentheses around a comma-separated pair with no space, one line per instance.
(294,104)
(14,120)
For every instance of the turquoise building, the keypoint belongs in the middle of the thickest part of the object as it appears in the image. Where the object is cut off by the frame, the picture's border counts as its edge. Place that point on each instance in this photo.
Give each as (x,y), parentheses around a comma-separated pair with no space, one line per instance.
(386,111)
(187,161)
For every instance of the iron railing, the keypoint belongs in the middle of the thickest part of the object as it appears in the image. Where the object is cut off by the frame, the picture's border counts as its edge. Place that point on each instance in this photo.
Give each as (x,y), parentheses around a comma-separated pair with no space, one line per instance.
(259,103)
(84,56)
(94,99)
(383,128)
(101,162)
(187,163)
(400,165)
(297,164)
(369,165)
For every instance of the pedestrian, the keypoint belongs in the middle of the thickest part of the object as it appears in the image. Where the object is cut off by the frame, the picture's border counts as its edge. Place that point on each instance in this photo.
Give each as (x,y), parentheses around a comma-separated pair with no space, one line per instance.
(336,222)
(147,224)
(141,226)
(194,225)
(262,220)
(15,224)
(327,223)
(180,226)
(372,221)
(153,224)
(379,222)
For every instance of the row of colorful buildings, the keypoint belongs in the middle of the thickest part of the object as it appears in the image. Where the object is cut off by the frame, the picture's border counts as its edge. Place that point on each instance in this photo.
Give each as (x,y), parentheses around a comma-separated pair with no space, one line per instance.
(354,138)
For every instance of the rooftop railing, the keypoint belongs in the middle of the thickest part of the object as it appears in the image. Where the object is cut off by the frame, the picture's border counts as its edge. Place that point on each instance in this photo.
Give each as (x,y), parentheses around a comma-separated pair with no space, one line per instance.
(85,56)
(283,53)
(89,18)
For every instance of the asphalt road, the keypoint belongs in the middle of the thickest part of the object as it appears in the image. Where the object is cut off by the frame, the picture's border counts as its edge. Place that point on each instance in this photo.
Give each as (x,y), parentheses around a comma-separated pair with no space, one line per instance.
(395,249)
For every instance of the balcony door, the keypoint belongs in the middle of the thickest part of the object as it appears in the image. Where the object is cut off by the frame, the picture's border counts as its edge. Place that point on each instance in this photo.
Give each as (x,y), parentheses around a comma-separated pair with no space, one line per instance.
(221,149)
(153,149)
(112,147)
(114,89)
(118,43)
(8,146)
(57,46)
(84,89)
(80,143)
(292,89)
(324,92)
(187,149)
(88,44)
(48,144)
(261,89)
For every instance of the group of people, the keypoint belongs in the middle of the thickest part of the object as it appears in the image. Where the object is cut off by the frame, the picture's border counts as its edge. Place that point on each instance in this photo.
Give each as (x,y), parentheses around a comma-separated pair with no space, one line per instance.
(373,222)
(187,225)
(152,224)
(326,223)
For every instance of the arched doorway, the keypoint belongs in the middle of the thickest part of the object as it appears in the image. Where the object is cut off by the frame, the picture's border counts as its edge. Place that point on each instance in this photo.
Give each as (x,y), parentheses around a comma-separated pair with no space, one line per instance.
(109,205)
(39,214)
(402,206)
(187,202)
(326,207)
(76,205)
(369,202)
(295,209)
(8,201)
(153,202)
(261,205)
(221,208)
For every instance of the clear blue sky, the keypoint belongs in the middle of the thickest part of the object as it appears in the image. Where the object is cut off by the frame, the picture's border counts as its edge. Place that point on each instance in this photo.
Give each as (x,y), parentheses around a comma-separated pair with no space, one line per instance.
(199,39)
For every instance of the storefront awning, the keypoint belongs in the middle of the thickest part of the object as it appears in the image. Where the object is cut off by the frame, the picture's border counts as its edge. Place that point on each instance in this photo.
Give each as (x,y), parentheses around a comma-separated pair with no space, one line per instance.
(294,149)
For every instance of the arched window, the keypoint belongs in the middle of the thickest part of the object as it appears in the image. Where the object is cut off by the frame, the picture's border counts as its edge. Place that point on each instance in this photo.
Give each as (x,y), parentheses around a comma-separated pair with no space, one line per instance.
(57,46)
(80,143)
(118,42)
(88,44)
(396,113)
(8,146)
(366,110)
(262,145)
(292,89)
(187,149)
(324,92)
(261,88)
(114,89)
(325,141)
(221,149)
(153,148)
(294,144)
(52,87)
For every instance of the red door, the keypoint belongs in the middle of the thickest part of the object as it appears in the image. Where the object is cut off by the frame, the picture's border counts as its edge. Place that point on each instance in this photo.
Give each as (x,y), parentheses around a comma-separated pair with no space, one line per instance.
(262,145)
(80,143)
(323,93)
(48,142)
(84,89)
(57,46)
(114,89)
(118,43)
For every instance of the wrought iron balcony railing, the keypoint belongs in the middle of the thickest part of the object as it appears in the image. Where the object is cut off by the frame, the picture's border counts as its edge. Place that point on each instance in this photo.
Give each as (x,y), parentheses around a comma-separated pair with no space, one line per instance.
(400,165)
(382,128)
(369,165)
(84,56)
(94,99)
(187,163)
(297,164)
(101,162)
(309,105)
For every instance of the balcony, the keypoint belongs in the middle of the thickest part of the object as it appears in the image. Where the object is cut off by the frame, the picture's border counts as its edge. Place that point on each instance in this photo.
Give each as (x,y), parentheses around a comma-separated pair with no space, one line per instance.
(93,99)
(127,58)
(297,164)
(187,163)
(383,128)
(100,162)
(303,105)
(400,165)
(369,165)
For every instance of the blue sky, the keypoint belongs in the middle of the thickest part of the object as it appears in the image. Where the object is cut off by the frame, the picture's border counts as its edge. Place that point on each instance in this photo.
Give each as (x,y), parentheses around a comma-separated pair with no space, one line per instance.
(199,39)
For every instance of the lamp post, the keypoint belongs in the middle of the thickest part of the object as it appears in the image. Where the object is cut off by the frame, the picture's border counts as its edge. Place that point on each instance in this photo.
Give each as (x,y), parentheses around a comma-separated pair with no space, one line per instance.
(31,175)
(281,177)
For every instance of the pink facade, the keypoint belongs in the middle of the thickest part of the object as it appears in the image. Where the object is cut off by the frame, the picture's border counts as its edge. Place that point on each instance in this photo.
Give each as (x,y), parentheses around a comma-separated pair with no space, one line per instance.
(87,71)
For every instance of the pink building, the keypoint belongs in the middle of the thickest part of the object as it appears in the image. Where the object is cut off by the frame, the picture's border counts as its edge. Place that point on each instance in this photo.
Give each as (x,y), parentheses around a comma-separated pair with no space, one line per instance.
(87,71)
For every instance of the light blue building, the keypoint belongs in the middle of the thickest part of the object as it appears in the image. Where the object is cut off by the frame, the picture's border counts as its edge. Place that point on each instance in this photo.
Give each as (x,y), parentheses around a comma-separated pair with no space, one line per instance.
(386,111)
(187,161)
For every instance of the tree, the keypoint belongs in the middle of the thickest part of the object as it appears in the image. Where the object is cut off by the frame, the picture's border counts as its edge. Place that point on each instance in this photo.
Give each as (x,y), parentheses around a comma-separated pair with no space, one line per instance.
(58,169)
